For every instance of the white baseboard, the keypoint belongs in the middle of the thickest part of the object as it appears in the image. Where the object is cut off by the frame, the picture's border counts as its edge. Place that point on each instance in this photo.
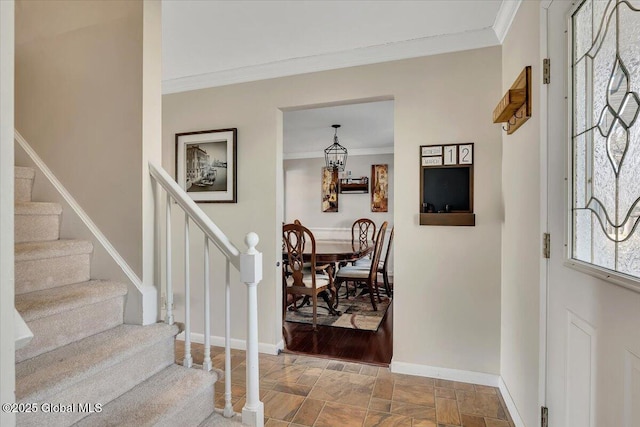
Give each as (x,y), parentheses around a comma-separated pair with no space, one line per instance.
(479,378)
(511,406)
(236,344)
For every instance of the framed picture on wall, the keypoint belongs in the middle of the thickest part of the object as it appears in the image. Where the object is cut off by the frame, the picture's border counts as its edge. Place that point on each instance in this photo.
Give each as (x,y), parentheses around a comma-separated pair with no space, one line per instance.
(379,188)
(206,165)
(329,190)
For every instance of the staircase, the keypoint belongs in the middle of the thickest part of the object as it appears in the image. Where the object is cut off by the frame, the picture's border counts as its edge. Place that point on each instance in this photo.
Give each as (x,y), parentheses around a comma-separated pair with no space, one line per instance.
(83,364)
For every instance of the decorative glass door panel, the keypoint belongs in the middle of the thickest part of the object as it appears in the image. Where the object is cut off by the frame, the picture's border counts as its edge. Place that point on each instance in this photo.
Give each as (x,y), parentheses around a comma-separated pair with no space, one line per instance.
(605,59)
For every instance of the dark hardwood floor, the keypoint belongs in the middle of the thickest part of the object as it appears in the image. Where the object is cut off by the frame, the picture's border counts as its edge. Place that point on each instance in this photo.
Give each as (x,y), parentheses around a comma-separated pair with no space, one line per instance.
(341,343)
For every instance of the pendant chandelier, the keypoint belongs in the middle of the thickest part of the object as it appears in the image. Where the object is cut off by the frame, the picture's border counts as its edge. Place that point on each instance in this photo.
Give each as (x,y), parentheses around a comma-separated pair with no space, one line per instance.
(335,155)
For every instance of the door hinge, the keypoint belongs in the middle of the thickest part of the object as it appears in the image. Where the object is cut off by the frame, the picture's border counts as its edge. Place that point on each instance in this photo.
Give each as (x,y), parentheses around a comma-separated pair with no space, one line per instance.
(546,71)
(546,245)
(544,417)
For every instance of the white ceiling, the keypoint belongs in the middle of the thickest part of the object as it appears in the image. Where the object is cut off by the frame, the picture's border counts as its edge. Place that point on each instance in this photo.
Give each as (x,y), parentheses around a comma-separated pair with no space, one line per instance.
(213,43)
(209,43)
(365,129)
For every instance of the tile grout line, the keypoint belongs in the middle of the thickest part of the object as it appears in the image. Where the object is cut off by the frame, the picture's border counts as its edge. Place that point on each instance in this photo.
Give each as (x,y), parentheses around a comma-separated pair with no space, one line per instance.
(318,416)
(370,396)
(393,392)
(458,406)
(307,397)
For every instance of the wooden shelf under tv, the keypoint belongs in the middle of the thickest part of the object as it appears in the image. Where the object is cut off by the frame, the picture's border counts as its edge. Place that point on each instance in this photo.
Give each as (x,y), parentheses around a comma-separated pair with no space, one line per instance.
(451,218)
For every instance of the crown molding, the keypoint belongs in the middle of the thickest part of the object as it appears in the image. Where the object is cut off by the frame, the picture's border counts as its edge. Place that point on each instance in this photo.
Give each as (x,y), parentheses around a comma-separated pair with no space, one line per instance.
(368,55)
(504,19)
(352,152)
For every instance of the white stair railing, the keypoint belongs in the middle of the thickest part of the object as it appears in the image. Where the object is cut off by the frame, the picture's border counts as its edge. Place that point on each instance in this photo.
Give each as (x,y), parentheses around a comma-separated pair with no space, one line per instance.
(249,265)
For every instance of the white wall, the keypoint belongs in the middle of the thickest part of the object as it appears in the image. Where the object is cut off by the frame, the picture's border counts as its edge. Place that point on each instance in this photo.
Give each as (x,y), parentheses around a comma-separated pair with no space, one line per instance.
(447,279)
(151,144)
(88,101)
(79,105)
(7,339)
(521,232)
(302,183)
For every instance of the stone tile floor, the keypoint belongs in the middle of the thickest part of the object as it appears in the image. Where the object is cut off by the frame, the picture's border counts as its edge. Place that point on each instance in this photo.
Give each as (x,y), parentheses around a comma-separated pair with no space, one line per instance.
(315,392)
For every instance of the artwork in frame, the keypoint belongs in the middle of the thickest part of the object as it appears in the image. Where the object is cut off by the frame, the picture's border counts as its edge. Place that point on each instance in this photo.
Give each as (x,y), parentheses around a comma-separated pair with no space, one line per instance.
(206,165)
(379,188)
(329,190)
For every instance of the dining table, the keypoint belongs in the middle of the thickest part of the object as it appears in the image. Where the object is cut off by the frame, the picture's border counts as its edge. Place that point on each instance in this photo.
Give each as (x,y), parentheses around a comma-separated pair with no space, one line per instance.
(338,251)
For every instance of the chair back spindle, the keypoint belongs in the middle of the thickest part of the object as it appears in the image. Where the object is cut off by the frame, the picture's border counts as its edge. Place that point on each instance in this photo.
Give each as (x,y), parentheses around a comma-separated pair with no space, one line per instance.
(363,231)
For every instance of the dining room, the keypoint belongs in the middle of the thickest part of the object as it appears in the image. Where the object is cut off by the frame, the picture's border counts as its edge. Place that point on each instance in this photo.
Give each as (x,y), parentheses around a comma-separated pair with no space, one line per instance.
(338,165)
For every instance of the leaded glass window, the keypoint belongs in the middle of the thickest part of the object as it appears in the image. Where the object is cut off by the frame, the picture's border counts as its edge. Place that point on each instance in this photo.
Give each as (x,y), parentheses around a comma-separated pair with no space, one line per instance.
(605,137)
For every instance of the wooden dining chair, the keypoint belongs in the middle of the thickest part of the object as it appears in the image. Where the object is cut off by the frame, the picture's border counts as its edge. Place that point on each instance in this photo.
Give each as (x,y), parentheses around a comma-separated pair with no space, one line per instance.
(383,265)
(355,274)
(301,280)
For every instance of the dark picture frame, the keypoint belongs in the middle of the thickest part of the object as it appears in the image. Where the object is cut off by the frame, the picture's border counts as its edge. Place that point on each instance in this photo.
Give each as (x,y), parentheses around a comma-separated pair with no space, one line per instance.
(380,188)
(206,165)
(329,190)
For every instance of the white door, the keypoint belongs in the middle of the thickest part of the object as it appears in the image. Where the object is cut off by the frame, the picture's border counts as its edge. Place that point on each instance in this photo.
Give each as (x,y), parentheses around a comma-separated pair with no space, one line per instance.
(593,325)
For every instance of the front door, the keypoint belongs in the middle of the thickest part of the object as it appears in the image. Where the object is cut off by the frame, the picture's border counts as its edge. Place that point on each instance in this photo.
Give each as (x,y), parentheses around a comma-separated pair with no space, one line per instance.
(593,325)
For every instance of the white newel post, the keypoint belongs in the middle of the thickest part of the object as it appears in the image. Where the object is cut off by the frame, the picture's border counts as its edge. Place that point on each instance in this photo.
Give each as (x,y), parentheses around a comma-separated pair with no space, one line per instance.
(251,274)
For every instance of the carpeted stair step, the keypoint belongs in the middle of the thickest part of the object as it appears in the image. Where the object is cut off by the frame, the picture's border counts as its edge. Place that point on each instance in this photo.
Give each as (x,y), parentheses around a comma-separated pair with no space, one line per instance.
(23,178)
(176,396)
(37,221)
(44,265)
(96,369)
(64,314)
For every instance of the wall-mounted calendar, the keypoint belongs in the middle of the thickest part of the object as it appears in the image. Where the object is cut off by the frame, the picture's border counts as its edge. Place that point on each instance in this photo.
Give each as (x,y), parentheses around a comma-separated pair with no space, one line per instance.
(446,184)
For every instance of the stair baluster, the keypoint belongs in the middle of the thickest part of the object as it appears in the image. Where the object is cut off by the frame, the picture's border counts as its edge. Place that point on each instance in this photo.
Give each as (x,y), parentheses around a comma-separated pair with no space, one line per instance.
(206,363)
(169,297)
(188,359)
(228,407)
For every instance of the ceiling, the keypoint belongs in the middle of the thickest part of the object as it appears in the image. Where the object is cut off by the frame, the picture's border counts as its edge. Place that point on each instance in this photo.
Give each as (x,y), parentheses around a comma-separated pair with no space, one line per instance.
(365,129)
(215,43)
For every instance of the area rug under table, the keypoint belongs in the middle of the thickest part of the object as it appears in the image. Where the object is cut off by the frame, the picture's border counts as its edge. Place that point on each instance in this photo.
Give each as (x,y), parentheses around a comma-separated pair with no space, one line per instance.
(357,313)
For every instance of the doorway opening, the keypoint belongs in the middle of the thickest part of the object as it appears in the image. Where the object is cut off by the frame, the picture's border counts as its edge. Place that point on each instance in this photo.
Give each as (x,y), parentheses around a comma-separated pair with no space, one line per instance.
(364,189)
